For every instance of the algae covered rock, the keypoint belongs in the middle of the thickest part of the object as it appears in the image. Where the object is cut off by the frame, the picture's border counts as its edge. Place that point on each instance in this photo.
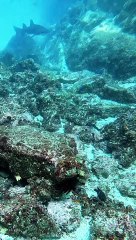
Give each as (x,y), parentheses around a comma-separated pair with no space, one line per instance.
(91,40)
(120,61)
(45,166)
(28,218)
(42,158)
(120,138)
(126,17)
(126,185)
(111,6)
(104,166)
(112,224)
(119,93)
(25,65)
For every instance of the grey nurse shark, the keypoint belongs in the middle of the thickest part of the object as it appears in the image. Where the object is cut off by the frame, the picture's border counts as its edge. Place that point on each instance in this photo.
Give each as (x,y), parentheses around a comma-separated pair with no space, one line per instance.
(32,29)
(28,41)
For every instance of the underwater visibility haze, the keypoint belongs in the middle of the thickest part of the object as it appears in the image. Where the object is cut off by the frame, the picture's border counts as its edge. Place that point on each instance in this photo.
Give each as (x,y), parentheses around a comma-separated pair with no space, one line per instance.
(68,119)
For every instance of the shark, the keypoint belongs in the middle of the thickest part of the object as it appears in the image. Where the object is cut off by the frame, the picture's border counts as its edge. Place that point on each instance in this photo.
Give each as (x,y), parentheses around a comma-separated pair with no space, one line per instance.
(32,29)
(27,42)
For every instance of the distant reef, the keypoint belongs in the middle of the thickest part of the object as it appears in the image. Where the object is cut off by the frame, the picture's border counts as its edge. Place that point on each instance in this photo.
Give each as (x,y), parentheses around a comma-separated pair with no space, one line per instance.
(97,39)
(94,35)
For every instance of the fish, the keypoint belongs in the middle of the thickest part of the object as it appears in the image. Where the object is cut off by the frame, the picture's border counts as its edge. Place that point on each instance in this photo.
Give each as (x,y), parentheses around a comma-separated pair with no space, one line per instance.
(32,29)
(27,42)
(101,195)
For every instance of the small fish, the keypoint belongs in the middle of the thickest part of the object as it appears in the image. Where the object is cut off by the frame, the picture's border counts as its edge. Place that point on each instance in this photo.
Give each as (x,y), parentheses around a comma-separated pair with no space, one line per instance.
(18,178)
(32,29)
(101,195)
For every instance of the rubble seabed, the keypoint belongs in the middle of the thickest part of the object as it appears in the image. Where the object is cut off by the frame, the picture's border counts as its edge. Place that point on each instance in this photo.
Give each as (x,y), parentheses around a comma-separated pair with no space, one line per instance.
(67,139)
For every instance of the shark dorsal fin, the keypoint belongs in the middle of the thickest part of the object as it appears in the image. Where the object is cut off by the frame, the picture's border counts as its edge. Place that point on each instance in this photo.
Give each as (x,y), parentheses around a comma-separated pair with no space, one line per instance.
(31,23)
(24,26)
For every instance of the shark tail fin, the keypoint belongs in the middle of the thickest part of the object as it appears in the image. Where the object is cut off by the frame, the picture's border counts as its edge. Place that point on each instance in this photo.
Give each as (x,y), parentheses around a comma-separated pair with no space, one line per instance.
(17,30)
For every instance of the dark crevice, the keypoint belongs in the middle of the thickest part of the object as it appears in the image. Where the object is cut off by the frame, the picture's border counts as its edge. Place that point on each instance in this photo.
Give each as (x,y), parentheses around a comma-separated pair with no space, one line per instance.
(66,185)
(22,182)
(6,173)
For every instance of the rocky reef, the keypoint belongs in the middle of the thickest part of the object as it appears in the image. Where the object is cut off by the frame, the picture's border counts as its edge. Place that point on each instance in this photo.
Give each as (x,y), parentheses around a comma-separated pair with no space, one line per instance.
(95,39)
(67,130)
(63,139)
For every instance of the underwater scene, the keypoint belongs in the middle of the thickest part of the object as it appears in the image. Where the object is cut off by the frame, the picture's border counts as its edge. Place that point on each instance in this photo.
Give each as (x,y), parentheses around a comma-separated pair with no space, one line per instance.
(68,119)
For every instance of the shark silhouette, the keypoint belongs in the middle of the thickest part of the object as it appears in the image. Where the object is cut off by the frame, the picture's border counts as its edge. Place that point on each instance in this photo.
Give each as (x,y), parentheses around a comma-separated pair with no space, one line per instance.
(32,29)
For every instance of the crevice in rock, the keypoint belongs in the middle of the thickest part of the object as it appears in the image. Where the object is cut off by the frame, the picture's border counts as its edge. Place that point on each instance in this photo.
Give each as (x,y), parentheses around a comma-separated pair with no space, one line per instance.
(67,185)
(6,173)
